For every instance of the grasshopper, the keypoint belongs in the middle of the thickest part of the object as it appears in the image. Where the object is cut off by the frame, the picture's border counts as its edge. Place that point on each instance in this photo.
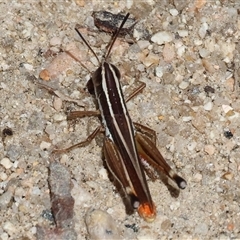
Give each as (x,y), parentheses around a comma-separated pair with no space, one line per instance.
(129,148)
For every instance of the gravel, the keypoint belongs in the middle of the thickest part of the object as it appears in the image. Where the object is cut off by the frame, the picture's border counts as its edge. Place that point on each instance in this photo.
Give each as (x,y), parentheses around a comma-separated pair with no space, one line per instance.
(187,53)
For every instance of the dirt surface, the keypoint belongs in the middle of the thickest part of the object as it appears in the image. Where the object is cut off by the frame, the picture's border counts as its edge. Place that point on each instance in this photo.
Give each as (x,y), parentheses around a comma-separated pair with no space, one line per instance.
(187,53)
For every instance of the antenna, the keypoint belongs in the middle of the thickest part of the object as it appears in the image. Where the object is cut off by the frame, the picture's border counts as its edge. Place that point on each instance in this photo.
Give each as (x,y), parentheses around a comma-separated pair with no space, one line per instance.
(81,36)
(116,35)
(112,41)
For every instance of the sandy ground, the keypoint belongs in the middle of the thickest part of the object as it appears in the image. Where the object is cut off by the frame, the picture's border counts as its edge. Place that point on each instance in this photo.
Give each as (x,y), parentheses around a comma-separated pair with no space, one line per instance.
(187,53)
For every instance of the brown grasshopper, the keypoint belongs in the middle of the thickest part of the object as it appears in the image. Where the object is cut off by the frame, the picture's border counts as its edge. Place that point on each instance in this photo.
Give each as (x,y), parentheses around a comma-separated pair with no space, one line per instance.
(129,148)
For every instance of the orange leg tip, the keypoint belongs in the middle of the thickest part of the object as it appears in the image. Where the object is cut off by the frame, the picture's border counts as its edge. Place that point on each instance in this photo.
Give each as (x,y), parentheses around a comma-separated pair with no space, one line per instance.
(147,212)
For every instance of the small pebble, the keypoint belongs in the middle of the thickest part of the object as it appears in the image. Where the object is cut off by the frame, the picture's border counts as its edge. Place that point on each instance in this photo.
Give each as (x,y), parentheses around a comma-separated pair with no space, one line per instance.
(57,103)
(175,205)
(198,42)
(36,191)
(187,118)
(44,75)
(209,89)
(209,66)
(168,53)
(6,163)
(227,176)
(201,229)
(129,4)
(55,41)
(199,3)
(143,44)
(199,122)
(183,85)
(80,3)
(45,145)
(101,225)
(9,228)
(159,71)
(229,84)
(28,67)
(150,60)
(204,52)
(197,177)
(162,37)
(58,117)
(103,173)
(228,134)
(5,199)
(173,12)
(166,224)
(3,176)
(203,30)
(230,226)
(191,146)
(226,108)
(183,33)
(4,236)
(181,51)
(210,149)
(180,4)
(208,106)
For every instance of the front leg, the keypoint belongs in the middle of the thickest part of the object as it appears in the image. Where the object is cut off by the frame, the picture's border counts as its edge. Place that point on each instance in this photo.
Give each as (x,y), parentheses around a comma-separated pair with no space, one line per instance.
(81,144)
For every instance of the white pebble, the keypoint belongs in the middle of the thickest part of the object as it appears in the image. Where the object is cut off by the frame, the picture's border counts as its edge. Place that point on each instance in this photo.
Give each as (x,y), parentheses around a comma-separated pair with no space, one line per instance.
(162,37)
(183,33)
(186,118)
(183,85)
(4,236)
(3,176)
(197,177)
(181,51)
(58,117)
(55,41)
(101,225)
(9,228)
(5,162)
(175,205)
(5,199)
(129,4)
(159,71)
(210,149)
(143,44)
(36,191)
(28,67)
(57,103)
(198,42)
(204,52)
(103,173)
(208,106)
(137,34)
(201,229)
(203,30)
(45,145)
(191,146)
(173,12)
(226,108)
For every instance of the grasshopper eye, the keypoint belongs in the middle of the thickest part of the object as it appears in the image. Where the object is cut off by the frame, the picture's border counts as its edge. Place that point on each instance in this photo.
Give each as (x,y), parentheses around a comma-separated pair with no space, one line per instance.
(90,86)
